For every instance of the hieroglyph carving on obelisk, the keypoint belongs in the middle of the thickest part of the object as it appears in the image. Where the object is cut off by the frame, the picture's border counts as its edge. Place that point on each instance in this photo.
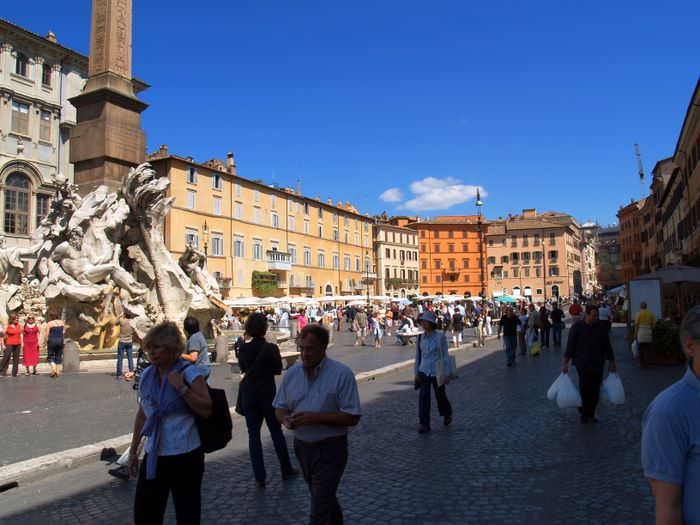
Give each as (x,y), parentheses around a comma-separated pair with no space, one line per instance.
(110,38)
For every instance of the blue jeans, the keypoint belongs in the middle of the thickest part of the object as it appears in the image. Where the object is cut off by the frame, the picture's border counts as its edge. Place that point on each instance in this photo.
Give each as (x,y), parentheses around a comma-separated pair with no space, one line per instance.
(510,342)
(256,410)
(128,348)
(556,333)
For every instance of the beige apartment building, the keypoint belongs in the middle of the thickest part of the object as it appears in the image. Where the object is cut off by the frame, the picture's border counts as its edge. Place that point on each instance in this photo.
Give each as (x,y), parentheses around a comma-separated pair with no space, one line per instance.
(396,255)
(263,240)
(536,255)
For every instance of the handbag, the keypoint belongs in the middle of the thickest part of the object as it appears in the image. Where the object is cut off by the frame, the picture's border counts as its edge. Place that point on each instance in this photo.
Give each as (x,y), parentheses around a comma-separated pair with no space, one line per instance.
(440,367)
(216,430)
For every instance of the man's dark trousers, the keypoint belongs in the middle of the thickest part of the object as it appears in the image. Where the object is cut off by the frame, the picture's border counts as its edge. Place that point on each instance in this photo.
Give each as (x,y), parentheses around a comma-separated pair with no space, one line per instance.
(323,464)
(544,336)
(589,382)
(10,351)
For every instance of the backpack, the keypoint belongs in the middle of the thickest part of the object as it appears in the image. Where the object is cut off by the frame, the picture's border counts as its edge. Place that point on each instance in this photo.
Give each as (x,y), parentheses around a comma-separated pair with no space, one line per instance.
(217,430)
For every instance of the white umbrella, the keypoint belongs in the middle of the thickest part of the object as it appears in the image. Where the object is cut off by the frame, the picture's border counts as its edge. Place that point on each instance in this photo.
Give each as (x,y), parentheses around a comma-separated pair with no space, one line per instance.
(243,301)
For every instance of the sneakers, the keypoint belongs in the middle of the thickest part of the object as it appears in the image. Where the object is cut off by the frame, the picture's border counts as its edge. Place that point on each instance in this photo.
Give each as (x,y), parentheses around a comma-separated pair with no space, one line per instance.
(121,473)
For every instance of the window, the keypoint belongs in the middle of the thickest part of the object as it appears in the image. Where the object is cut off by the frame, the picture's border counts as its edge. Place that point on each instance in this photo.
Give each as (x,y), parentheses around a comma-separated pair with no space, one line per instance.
(45,126)
(192,237)
(489,243)
(450,247)
(553,271)
(306,208)
(465,247)
(464,233)
(437,234)
(491,260)
(357,238)
(452,264)
(526,257)
(20,117)
(515,256)
(320,212)
(320,230)
(516,272)
(192,175)
(17,193)
(537,256)
(257,249)
(536,241)
(335,217)
(238,210)
(42,207)
(335,234)
(538,291)
(46,75)
(538,271)
(424,264)
(513,240)
(347,237)
(336,261)
(292,253)
(504,259)
(217,244)
(307,256)
(346,263)
(306,226)
(238,190)
(256,195)
(505,241)
(366,227)
(526,271)
(438,278)
(290,224)
(438,264)
(22,65)
(450,234)
(256,215)
(422,234)
(425,279)
(217,205)
(321,259)
(274,201)
(346,221)
(238,246)
(423,247)
(552,239)
(357,264)
(466,277)
(217,181)
(525,241)
(553,254)
(274,219)
(388,253)
(191,199)
(436,248)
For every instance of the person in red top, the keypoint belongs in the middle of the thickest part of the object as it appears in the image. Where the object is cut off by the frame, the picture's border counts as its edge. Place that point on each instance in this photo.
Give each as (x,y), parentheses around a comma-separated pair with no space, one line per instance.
(13,343)
(30,350)
(575,310)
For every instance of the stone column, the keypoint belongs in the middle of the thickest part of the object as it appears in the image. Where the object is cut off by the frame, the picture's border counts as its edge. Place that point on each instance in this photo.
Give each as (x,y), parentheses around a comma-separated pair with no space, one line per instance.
(71,357)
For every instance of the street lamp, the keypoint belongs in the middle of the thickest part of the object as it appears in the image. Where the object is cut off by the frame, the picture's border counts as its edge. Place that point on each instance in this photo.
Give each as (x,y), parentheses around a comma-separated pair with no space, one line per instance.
(367,274)
(205,237)
(479,204)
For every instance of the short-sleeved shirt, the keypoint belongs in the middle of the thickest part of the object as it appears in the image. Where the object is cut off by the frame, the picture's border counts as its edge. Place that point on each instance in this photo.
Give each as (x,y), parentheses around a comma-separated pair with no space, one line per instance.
(671,441)
(361,319)
(509,325)
(333,389)
(126,331)
(197,343)
(178,431)
(604,313)
(644,317)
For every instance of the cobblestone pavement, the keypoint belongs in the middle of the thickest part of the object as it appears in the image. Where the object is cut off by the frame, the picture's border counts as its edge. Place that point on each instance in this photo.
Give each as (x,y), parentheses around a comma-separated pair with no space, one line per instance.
(41,415)
(511,456)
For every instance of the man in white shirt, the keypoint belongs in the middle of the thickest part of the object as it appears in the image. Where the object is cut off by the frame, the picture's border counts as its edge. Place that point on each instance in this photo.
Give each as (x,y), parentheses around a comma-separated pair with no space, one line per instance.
(605,315)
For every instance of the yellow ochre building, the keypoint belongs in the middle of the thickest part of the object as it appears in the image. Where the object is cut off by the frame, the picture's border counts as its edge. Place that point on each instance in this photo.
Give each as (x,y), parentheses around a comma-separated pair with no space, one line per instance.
(263,240)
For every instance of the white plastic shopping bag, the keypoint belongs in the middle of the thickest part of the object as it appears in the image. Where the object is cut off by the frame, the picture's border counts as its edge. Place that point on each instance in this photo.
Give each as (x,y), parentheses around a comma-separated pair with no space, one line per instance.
(613,390)
(635,348)
(554,389)
(568,395)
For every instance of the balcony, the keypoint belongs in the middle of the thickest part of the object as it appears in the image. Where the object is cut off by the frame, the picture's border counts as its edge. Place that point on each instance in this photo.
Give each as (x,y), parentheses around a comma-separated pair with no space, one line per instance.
(306,285)
(278,261)
(224,283)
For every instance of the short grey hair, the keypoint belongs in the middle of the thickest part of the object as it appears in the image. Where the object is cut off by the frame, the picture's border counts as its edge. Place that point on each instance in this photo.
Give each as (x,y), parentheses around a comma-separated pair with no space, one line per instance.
(690,326)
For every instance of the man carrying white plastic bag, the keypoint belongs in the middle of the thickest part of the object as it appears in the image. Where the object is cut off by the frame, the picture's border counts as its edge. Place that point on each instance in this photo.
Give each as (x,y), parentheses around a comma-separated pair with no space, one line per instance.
(613,390)
(588,346)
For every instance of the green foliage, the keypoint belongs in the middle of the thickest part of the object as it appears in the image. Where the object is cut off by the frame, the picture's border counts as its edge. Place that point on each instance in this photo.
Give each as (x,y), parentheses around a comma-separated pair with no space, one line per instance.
(265,283)
(665,338)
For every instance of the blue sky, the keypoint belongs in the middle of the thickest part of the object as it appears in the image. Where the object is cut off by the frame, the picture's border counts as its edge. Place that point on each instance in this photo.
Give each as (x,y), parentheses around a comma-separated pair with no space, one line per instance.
(539,102)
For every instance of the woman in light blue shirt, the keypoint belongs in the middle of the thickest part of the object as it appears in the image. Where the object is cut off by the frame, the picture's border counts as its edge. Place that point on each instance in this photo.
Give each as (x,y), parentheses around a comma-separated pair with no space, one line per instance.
(171,392)
(196,348)
(431,348)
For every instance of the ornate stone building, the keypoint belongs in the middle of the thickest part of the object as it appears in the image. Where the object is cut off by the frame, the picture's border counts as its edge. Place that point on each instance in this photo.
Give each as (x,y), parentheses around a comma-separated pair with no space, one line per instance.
(608,259)
(37,77)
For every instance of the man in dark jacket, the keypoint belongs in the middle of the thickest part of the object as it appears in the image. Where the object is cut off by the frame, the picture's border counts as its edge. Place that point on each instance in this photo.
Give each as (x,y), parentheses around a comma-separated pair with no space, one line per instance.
(589,346)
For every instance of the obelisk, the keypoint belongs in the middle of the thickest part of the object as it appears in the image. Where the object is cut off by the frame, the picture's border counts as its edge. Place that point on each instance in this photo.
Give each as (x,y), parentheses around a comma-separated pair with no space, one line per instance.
(107,139)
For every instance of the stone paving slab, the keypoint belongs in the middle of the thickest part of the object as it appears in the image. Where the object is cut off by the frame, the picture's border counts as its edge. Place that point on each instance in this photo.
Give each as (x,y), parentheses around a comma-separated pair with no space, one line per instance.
(511,456)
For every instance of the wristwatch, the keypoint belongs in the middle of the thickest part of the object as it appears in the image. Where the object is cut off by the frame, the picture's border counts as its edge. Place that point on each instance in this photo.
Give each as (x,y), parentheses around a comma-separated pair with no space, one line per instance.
(183,390)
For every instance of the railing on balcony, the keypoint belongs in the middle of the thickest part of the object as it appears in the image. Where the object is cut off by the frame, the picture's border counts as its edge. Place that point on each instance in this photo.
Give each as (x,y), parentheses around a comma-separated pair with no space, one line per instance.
(280,261)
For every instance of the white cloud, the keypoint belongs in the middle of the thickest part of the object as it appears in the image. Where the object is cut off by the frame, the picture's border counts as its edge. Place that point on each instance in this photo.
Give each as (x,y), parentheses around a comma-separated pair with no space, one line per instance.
(431,193)
(392,195)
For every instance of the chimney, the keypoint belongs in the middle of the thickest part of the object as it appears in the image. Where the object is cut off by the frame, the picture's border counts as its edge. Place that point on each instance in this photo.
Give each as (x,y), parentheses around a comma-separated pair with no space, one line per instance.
(51,36)
(230,163)
(163,151)
(330,201)
(190,159)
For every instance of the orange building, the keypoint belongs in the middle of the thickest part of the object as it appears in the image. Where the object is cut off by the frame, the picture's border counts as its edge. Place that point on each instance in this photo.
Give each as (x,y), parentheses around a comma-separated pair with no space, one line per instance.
(631,239)
(452,254)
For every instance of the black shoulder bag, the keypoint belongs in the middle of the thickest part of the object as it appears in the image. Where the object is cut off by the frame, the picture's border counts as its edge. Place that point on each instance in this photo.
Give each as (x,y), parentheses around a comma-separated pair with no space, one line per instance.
(216,430)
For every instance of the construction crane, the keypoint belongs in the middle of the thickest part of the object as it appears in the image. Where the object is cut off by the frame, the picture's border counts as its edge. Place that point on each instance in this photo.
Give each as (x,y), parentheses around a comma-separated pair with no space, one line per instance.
(640,166)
